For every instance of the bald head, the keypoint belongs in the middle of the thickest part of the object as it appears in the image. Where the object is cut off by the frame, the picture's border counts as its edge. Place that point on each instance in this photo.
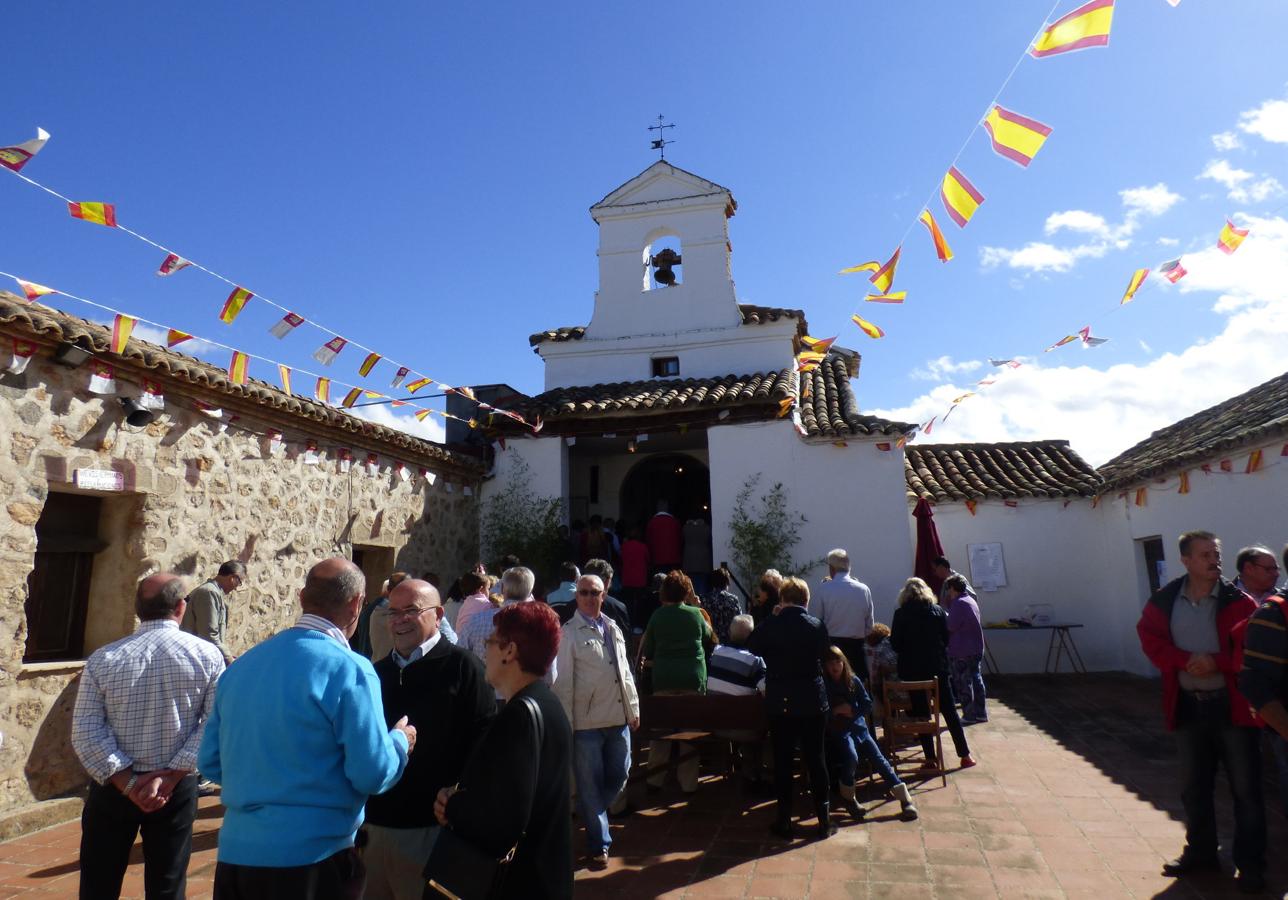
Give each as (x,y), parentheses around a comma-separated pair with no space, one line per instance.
(414,613)
(160,596)
(332,588)
(413,590)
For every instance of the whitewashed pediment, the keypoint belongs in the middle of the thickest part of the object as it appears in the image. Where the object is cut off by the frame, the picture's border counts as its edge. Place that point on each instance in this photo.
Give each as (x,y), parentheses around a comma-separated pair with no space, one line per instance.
(659,183)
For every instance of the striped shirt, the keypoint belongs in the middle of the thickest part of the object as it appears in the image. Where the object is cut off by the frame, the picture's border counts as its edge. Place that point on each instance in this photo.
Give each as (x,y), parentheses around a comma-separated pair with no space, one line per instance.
(1265,655)
(144,700)
(733,670)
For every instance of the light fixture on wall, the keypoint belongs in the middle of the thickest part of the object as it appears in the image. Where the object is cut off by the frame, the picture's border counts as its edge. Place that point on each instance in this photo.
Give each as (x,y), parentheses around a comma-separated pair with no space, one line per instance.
(137,415)
(630,445)
(70,355)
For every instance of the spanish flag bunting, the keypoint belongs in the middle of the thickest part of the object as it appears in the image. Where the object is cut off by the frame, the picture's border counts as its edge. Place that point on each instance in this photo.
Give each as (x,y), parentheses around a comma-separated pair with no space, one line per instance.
(884,276)
(467,392)
(970,506)
(1254,462)
(399,376)
(121,328)
(351,397)
(896,297)
(419,383)
(23,351)
(1011,504)
(1137,279)
(984,382)
(33,290)
(323,390)
(473,423)
(1088,340)
(368,364)
(960,197)
(372,395)
(151,398)
(102,379)
(1087,26)
(175,337)
(236,301)
(902,441)
(1067,339)
(1142,496)
(1226,466)
(926,429)
(237,367)
(872,266)
(962,397)
(1009,363)
(819,345)
(1206,468)
(785,406)
(1173,271)
(284,372)
(19,155)
(285,325)
(1185,483)
(97,213)
(535,426)
(1016,137)
(1284,451)
(171,264)
(327,353)
(884,446)
(423,414)
(942,250)
(396,403)
(867,327)
(1230,238)
(206,409)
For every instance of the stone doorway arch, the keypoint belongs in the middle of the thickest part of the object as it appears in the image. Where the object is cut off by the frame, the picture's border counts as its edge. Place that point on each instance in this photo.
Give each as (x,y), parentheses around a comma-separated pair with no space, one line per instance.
(680,479)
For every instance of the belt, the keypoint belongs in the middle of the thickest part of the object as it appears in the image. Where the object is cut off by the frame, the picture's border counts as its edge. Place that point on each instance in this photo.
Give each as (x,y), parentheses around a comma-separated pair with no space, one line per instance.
(1206,695)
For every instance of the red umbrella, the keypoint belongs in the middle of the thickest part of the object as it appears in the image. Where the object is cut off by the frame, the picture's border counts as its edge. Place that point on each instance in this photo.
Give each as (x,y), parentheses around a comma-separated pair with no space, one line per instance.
(928,546)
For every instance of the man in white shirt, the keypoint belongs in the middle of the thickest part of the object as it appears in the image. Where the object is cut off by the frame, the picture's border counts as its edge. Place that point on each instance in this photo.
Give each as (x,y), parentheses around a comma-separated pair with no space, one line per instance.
(137,726)
(844,605)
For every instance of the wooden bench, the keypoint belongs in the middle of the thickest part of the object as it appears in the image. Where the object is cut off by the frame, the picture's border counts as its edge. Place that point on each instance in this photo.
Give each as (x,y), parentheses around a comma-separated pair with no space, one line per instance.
(694,719)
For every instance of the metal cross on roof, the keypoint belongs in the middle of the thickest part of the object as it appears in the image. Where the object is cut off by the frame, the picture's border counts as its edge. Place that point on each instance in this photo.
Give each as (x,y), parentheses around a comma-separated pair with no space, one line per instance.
(660,143)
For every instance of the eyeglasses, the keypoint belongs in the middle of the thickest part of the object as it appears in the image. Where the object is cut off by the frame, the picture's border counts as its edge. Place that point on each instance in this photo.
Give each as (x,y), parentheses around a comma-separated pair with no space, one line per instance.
(586,592)
(1271,567)
(411,612)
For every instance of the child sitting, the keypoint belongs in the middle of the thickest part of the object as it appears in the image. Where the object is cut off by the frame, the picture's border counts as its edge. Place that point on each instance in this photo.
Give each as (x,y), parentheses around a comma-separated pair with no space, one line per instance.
(848,737)
(883,663)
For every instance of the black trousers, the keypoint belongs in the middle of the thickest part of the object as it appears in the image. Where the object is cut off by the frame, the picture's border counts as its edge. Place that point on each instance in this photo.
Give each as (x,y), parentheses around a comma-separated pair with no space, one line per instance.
(109,825)
(341,876)
(853,648)
(786,732)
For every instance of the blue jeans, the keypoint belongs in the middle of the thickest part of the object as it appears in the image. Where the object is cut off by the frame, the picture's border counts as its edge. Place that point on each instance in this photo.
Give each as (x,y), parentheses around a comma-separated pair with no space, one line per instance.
(844,749)
(968,685)
(1206,739)
(601,757)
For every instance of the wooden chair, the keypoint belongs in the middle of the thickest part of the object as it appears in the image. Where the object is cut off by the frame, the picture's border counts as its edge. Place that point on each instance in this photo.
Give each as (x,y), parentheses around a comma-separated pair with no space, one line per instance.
(901,725)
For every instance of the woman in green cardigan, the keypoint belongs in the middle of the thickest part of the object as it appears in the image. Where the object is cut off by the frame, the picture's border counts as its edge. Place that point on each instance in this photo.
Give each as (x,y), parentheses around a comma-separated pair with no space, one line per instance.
(675,647)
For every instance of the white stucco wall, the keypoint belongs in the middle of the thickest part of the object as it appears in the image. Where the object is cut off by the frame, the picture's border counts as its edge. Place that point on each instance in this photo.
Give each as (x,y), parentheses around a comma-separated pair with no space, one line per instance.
(852,497)
(547,467)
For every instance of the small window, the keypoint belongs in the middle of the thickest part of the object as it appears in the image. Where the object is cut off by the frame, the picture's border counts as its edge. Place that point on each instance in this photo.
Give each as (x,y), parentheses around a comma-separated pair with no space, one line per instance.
(666,367)
(58,588)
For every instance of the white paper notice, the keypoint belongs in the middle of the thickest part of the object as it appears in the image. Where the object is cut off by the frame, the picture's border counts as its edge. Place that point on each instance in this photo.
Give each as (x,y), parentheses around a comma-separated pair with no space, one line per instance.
(986,566)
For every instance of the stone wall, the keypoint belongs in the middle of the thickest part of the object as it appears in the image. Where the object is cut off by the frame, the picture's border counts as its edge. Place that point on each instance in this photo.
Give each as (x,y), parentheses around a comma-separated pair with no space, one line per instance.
(196,493)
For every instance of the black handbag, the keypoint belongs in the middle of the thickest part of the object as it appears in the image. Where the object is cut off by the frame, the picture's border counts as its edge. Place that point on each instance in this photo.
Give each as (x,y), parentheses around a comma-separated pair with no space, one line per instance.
(459,870)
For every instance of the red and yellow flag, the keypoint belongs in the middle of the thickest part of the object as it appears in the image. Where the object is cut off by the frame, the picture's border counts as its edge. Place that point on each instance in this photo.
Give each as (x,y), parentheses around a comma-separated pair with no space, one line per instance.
(1087,26)
(785,406)
(174,336)
(237,367)
(236,301)
(1142,496)
(19,155)
(121,328)
(970,505)
(819,345)
(808,360)
(1230,238)
(868,328)
(323,390)
(33,290)
(351,397)
(171,264)
(960,197)
(423,415)
(97,213)
(896,297)
(1254,462)
(883,278)
(285,374)
(419,383)
(1137,279)
(871,266)
(942,250)
(1185,483)
(1016,137)
(368,364)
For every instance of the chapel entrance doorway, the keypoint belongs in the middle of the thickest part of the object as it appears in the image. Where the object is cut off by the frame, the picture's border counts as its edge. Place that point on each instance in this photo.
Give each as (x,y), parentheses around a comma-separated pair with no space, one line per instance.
(680,479)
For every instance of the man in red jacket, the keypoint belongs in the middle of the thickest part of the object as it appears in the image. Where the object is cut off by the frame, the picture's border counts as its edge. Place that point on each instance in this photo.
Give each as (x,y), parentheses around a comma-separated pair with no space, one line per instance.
(1185,631)
(664,538)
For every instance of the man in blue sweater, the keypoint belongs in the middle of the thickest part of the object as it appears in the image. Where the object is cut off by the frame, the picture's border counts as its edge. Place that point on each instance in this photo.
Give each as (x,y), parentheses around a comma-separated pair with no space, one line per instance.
(298,740)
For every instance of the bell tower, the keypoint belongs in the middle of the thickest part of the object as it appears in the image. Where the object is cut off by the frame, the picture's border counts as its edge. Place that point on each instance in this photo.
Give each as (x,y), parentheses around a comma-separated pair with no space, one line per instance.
(664,256)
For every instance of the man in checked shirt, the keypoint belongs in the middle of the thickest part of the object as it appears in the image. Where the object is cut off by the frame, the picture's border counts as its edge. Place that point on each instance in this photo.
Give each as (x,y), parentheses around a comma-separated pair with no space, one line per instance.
(142,704)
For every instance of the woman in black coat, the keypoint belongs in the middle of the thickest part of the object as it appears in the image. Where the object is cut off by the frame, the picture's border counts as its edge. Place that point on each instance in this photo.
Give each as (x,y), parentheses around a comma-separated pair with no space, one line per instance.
(919,634)
(515,791)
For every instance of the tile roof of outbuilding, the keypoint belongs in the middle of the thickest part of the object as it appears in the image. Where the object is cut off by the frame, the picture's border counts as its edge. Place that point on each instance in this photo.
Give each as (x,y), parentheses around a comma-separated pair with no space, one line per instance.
(1005,471)
(751,315)
(1253,415)
(42,322)
(829,408)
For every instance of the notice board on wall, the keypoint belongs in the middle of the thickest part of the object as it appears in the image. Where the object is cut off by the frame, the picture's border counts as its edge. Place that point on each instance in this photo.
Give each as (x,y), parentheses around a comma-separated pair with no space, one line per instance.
(987,566)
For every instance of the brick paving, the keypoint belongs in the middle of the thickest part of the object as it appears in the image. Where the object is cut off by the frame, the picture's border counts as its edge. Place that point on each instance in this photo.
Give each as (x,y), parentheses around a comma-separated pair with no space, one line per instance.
(1074,796)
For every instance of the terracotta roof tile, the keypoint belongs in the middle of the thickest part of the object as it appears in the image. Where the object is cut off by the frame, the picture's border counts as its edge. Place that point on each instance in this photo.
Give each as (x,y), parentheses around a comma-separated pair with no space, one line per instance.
(829,408)
(1259,413)
(751,315)
(42,322)
(1007,471)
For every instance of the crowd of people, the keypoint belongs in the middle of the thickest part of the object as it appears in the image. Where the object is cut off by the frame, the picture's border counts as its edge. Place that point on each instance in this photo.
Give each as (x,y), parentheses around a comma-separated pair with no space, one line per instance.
(358,749)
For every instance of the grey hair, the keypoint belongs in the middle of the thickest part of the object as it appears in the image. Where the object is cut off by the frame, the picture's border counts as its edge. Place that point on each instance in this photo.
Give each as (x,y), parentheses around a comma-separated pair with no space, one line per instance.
(839,559)
(162,604)
(740,628)
(234,567)
(517,582)
(601,567)
(332,594)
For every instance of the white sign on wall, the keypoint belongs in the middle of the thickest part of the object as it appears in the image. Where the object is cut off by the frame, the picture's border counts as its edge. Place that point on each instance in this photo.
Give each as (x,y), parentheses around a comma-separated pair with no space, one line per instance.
(987,567)
(98,480)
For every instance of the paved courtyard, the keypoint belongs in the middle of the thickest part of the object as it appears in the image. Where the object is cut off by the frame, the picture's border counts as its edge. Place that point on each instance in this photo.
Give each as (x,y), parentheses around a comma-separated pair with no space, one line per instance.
(1073,797)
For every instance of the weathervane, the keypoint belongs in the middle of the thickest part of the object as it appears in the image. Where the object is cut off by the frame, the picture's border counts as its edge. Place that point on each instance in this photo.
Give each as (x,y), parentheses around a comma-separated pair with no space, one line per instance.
(660,143)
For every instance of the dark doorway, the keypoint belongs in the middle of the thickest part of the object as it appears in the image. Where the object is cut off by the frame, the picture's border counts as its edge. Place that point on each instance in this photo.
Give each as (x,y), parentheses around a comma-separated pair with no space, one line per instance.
(1154,562)
(678,478)
(58,586)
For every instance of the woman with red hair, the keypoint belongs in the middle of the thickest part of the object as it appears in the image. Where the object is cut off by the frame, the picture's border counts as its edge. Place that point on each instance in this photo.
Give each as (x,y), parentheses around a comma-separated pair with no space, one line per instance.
(516,788)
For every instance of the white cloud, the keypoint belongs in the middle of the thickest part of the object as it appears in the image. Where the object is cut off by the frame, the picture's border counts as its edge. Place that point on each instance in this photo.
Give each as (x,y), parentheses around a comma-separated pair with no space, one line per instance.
(1269,121)
(1167,242)
(1257,191)
(1220,171)
(1226,140)
(1146,347)
(1239,183)
(943,368)
(1104,407)
(1103,235)
(431,429)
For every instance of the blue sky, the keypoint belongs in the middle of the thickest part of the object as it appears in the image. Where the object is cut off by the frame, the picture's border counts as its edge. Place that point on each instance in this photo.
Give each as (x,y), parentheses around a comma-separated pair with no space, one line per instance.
(419,179)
